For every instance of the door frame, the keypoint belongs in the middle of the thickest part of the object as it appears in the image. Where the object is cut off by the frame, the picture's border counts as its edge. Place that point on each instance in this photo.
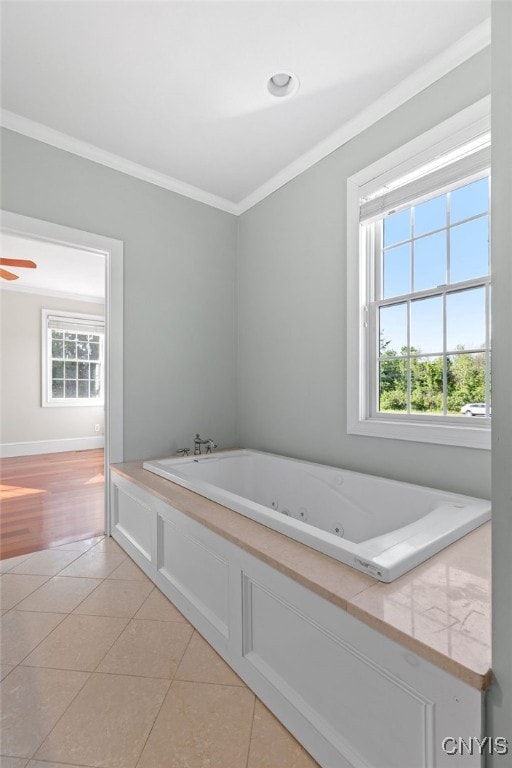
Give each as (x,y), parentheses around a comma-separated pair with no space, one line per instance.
(112,250)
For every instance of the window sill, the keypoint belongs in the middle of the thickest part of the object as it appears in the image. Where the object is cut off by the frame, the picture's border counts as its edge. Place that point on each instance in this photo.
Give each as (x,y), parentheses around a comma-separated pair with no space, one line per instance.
(73,404)
(462,435)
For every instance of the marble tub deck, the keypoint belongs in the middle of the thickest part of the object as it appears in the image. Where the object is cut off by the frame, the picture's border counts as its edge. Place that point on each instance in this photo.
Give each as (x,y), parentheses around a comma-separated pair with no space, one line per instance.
(440,610)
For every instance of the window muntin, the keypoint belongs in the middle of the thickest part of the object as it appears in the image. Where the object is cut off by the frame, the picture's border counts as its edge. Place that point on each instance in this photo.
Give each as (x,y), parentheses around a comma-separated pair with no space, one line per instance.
(429,304)
(73,353)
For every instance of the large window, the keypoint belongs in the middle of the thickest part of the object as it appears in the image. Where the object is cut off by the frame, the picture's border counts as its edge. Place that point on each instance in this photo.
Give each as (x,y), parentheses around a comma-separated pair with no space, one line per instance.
(72,359)
(419,335)
(431,307)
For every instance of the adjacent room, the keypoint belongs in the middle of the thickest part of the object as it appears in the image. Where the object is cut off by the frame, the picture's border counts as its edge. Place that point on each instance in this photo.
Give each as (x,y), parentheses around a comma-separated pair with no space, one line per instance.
(256,357)
(53,420)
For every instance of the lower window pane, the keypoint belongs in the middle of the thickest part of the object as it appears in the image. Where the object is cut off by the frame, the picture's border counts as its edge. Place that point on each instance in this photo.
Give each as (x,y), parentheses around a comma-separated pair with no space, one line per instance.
(83,370)
(70,388)
(83,389)
(393,329)
(427,325)
(466,384)
(70,370)
(465,319)
(427,385)
(95,380)
(393,385)
(57,369)
(57,388)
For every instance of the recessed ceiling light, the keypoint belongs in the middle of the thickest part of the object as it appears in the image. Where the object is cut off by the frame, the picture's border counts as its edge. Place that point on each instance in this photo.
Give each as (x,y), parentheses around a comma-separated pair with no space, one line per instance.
(283,84)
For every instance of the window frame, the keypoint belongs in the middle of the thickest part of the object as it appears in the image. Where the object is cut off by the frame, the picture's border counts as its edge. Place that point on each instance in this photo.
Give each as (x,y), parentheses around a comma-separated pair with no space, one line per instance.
(362,419)
(47,399)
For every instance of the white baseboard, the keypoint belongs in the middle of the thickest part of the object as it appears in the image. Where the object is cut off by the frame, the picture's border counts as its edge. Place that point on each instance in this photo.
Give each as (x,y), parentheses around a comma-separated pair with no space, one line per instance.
(8,450)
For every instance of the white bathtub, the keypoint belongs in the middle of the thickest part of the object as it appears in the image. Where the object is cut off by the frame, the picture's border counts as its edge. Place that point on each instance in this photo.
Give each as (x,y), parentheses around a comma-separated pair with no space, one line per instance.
(382,527)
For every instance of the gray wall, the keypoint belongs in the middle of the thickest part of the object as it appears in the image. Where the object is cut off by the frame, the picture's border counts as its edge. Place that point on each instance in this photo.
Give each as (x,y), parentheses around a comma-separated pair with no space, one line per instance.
(500,698)
(292,309)
(23,418)
(179,289)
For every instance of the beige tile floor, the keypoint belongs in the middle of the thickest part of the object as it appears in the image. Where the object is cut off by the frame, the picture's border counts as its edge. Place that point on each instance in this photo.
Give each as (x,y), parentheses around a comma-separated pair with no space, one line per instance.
(100,669)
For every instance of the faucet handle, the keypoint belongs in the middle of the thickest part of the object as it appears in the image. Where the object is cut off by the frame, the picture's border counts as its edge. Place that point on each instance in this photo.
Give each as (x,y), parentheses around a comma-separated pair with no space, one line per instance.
(183,451)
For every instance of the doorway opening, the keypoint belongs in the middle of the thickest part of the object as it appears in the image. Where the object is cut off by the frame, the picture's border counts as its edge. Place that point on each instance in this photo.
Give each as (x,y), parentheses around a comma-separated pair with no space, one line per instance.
(57,447)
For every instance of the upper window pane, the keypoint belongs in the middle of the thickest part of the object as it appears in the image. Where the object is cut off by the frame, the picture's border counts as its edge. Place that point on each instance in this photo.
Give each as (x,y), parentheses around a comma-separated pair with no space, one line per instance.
(57,348)
(82,350)
(430,261)
(430,216)
(469,250)
(397,271)
(397,227)
(70,349)
(94,350)
(469,200)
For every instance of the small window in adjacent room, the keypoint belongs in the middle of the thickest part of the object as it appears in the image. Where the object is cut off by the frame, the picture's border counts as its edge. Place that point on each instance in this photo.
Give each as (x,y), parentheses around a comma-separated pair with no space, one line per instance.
(419,295)
(72,356)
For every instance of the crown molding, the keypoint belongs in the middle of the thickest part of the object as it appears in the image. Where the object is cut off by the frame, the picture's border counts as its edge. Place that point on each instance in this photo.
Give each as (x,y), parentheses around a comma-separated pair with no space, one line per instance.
(469,45)
(452,57)
(47,135)
(52,293)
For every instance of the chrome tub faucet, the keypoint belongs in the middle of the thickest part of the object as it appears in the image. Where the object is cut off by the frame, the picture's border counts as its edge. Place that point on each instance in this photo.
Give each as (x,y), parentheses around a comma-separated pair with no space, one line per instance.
(198,442)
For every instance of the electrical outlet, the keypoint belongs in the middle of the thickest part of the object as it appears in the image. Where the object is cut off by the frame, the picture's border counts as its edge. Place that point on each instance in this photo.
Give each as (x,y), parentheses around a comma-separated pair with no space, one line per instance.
(96,427)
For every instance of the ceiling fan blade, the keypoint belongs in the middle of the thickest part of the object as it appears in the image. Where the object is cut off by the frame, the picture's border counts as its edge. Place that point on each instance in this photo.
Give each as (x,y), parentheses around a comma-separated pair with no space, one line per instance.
(18,263)
(8,275)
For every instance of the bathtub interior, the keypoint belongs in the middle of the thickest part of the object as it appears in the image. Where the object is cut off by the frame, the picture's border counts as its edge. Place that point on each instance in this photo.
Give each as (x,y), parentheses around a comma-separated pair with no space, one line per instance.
(355,507)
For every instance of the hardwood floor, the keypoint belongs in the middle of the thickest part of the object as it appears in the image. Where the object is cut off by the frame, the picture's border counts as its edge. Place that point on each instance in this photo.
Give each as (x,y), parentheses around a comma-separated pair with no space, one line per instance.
(49,500)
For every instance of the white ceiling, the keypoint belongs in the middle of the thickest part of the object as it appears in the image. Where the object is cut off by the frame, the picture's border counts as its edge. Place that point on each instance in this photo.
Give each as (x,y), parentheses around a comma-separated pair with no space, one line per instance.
(179,88)
(60,269)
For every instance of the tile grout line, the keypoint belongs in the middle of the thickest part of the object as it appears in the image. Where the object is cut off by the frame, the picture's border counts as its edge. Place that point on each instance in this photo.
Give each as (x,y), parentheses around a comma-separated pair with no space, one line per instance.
(30,593)
(252,729)
(95,671)
(66,709)
(166,694)
(91,673)
(65,615)
(88,674)
(51,575)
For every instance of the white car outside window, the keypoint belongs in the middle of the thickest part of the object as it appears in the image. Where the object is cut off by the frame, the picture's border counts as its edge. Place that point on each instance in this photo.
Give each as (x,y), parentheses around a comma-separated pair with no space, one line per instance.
(474,409)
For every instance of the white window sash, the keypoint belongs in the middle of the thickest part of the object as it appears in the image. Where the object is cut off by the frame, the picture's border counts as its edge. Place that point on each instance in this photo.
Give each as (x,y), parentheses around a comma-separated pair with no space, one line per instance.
(365,189)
